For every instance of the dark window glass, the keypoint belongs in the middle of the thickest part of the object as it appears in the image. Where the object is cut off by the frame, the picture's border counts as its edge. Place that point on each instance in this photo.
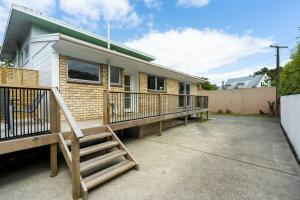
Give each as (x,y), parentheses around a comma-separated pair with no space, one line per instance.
(115,75)
(181,97)
(151,82)
(160,83)
(181,88)
(83,71)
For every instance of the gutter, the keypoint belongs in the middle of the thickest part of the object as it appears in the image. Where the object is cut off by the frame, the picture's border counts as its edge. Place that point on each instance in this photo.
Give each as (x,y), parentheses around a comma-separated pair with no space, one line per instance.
(115,53)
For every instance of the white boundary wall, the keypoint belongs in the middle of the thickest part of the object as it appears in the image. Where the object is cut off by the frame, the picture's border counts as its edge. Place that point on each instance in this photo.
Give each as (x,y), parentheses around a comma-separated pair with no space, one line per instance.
(290,119)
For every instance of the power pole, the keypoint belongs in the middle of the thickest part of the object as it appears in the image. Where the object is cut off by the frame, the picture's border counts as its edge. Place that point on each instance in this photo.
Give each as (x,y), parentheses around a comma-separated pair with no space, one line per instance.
(277,75)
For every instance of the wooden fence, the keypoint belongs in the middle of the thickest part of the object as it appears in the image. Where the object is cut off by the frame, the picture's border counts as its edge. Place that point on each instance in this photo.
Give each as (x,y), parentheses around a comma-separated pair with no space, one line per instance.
(17,76)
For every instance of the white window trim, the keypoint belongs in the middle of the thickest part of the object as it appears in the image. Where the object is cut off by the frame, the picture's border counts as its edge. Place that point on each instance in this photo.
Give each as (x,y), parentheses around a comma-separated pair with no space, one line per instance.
(81,80)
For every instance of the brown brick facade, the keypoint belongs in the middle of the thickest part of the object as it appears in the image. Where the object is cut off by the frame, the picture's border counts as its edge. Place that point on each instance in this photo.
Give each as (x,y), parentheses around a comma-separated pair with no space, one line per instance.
(85,100)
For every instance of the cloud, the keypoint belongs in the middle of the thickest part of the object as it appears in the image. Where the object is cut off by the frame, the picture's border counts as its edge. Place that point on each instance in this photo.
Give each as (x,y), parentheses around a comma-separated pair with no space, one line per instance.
(156,4)
(197,51)
(45,6)
(119,12)
(190,3)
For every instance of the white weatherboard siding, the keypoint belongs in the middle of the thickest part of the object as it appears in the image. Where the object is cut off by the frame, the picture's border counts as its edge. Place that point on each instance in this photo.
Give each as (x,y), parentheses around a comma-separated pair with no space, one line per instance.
(43,59)
(290,116)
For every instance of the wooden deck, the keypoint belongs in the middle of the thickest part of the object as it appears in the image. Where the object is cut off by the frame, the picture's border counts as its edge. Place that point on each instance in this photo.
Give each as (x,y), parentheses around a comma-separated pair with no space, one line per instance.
(32,118)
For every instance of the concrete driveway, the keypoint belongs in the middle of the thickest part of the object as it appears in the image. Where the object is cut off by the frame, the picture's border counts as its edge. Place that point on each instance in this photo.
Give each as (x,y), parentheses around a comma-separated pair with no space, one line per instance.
(225,158)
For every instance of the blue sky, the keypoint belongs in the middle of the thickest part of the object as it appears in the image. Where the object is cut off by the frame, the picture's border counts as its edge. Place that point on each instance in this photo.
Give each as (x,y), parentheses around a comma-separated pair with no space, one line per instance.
(218,39)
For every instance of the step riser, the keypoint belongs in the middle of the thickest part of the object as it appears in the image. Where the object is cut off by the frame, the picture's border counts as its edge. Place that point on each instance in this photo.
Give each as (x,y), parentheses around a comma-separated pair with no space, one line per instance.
(97,164)
(94,150)
(97,181)
(91,138)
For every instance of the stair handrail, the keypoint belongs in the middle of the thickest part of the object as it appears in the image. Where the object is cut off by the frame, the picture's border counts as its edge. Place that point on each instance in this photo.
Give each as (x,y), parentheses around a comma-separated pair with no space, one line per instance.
(77,134)
(67,113)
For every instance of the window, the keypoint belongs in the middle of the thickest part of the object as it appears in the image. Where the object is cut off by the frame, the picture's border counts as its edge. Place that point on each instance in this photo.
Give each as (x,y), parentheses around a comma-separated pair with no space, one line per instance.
(184,88)
(156,83)
(84,71)
(151,83)
(115,75)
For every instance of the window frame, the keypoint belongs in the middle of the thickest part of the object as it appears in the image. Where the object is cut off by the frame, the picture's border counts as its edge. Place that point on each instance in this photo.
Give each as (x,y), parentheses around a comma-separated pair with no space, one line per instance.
(156,90)
(82,80)
(185,93)
(120,76)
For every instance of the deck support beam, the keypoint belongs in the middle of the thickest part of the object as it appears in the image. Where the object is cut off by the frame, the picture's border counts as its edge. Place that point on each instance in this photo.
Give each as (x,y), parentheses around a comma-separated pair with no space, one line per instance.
(160,128)
(53,159)
(75,168)
(160,113)
(55,125)
(186,111)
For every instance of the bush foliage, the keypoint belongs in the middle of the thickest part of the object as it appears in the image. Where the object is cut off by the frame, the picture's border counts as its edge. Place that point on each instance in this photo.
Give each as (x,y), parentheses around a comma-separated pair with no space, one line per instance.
(290,75)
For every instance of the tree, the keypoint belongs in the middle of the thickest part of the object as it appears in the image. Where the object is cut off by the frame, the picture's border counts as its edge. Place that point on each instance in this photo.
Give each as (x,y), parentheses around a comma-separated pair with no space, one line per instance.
(270,72)
(290,75)
(206,85)
(5,63)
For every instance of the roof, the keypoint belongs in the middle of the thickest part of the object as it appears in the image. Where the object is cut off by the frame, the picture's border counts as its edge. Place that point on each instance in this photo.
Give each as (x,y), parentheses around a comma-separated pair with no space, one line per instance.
(73,47)
(252,80)
(21,18)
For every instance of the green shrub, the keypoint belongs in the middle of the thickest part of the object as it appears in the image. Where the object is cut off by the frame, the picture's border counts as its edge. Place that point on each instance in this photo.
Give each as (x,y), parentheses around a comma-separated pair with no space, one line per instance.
(290,75)
(220,111)
(228,111)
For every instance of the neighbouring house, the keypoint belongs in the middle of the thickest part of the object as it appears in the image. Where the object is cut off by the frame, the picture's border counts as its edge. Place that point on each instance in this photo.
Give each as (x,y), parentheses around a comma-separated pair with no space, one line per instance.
(253,81)
(85,80)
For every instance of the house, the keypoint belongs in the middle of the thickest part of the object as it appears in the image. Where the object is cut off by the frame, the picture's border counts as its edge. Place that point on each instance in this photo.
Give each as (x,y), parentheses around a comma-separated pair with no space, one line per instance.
(253,81)
(84,79)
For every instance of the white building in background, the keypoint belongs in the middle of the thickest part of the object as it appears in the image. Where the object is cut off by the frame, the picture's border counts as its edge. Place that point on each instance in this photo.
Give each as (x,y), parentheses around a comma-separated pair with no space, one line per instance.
(253,81)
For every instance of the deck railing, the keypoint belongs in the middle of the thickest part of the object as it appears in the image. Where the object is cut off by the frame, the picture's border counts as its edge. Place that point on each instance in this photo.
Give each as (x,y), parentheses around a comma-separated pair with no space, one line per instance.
(25,111)
(126,106)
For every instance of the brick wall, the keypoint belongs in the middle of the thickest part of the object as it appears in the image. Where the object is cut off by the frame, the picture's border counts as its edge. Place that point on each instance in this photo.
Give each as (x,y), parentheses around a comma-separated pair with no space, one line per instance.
(172,86)
(84,100)
(143,82)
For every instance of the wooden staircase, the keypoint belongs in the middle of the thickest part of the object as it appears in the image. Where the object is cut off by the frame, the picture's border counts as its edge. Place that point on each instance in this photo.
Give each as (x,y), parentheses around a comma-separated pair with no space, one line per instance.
(102,157)
(93,156)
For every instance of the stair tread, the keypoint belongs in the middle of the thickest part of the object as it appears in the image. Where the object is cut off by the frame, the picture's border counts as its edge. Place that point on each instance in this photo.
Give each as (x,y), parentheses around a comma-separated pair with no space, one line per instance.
(92,137)
(101,176)
(94,162)
(98,147)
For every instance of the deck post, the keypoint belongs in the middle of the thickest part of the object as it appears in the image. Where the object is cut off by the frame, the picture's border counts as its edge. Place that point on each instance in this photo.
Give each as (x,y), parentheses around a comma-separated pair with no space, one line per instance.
(106,104)
(160,113)
(75,168)
(186,110)
(55,126)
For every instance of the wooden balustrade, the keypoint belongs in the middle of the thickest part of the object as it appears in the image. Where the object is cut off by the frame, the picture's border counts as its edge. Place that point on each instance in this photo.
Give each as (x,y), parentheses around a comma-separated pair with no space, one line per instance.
(126,106)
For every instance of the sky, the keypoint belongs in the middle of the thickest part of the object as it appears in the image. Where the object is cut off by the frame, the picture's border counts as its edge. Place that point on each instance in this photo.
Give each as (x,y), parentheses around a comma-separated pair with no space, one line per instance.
(217,39)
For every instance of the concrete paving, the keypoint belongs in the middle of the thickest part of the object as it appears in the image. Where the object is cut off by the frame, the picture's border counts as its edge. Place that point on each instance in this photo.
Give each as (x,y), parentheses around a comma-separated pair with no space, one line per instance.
(224,158)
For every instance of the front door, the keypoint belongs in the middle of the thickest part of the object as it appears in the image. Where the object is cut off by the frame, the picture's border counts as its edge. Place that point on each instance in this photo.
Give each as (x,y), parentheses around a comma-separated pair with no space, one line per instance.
(127,88)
